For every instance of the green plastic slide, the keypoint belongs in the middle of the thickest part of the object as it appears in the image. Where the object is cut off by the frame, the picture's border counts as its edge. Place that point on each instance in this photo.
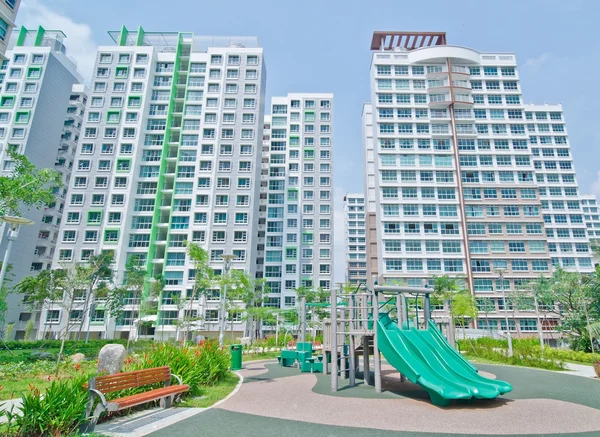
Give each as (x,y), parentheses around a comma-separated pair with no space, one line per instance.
(427,359)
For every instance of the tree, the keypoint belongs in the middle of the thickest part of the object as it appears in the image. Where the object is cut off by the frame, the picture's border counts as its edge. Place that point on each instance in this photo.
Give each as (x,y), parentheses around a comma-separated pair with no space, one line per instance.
(203,279)
(134,283)
(575,296)
(4,291)
(486,305)
(58,285)
(27,186)
(98,274)
(444,289)
(542,289)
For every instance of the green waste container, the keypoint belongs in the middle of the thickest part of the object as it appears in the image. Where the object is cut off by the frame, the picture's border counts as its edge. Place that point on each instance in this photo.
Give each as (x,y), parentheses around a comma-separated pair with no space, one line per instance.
(236,356)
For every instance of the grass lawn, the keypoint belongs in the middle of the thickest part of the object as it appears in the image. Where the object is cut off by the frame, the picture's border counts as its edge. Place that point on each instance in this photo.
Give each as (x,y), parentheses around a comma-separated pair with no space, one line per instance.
(18,378)
(260,356)
(213,394)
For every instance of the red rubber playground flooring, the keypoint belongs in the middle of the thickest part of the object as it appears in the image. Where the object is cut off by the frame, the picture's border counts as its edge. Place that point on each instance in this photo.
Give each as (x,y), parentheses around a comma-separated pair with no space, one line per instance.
(276,401)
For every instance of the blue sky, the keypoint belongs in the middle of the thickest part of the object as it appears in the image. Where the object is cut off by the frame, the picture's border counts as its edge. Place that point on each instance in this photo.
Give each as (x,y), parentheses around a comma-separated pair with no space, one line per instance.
(323,46)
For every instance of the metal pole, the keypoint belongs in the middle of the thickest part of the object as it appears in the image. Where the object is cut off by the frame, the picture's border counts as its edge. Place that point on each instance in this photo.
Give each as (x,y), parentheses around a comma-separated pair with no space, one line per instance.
(334,355)
(537,315)
(399,314)
(508,336)
(276,331)
(11,236)
(427,310)
(376,356)
(303,318)
(222,316)
(352,363)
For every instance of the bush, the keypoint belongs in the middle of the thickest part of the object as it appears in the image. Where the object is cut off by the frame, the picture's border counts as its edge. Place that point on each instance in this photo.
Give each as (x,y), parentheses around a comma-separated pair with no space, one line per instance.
(72,345)
(59,411)
(28,350)
(197,366)
(526,352)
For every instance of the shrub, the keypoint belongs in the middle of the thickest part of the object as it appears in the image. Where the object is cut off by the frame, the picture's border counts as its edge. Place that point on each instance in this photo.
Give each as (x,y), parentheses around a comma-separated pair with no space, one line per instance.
(59,411)
(526,352)
(197,366)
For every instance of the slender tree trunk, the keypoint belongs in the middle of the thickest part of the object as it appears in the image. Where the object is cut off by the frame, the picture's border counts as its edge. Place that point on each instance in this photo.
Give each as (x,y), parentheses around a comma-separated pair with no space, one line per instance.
(86,306)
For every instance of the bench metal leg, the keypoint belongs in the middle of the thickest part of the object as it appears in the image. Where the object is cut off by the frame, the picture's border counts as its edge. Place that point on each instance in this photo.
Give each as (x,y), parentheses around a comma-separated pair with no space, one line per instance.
(89,425)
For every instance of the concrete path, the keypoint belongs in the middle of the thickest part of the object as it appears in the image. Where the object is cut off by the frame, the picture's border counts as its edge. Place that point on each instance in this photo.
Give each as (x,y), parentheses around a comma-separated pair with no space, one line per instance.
(7,405)
(145,422)
(580,370)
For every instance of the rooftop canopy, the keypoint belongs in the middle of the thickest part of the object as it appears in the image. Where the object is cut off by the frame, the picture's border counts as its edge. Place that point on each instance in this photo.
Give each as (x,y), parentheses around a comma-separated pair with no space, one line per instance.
(406,40)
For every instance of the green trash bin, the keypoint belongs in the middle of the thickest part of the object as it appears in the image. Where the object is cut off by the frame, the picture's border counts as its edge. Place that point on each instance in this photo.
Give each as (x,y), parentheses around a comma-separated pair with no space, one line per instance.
(236,356)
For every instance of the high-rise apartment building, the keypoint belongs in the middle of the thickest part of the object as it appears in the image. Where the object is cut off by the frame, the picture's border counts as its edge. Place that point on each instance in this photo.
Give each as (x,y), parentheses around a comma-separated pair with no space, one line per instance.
(355,239)
(52,217)
(370,196)
(299,224)
(8,13)
(562,209)
(170,153)
(458,185)
(37,81)
(591,217)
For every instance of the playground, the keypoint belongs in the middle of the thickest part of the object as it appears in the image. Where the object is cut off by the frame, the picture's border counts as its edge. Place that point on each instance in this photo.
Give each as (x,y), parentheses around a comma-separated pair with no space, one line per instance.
(410,382)
(282,401)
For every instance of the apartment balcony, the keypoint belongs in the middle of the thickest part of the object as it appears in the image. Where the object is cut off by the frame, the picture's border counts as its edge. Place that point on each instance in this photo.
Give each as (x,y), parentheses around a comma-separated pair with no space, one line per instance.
(439,101)
(464,84)
(441,86)
(437,72)
(460,72)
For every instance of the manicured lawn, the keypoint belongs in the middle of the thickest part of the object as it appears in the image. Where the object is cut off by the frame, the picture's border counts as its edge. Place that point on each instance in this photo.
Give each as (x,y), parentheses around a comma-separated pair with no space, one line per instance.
(21,377)
(260,356)
(211,395)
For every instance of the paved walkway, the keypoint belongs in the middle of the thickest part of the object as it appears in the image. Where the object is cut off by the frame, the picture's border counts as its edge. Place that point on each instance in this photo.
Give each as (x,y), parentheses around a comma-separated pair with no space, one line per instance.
(276,401)
(8,405)
(580,370)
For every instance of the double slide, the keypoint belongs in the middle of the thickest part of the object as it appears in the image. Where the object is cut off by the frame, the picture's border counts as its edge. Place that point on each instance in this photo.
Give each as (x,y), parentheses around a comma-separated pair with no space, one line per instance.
(427,359)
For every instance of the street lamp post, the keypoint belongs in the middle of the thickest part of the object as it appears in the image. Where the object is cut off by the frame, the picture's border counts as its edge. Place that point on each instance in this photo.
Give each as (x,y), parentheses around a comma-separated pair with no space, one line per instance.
(14,224)
(222,315)
(508,336)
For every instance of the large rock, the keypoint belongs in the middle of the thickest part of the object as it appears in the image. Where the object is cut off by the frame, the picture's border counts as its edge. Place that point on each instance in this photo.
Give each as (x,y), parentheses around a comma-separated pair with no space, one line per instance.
(111,359)
(77,358)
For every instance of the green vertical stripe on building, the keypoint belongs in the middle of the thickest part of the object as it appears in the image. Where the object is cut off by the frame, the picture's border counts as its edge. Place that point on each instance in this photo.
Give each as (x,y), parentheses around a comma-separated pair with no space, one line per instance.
(123,36)
(140,37)
(39,37)
(22,36)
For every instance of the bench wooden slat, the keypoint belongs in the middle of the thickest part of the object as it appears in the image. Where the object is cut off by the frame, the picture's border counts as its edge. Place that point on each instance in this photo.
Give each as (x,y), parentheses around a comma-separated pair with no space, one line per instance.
(138,378)
(142,398)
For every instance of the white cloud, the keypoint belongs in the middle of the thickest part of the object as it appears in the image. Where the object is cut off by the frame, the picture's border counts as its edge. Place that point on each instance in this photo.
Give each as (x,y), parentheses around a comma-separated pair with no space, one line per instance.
(536,63)
(79,41)
(596,185)
(339,244)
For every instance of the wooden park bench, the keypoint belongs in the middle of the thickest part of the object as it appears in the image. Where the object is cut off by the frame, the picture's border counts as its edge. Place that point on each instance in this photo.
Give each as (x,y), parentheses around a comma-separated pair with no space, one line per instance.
(101,385)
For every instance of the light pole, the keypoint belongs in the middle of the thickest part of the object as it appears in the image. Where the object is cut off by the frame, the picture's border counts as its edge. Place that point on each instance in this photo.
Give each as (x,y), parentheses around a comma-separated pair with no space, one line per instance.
(222,316)
(508,337)
(14,224)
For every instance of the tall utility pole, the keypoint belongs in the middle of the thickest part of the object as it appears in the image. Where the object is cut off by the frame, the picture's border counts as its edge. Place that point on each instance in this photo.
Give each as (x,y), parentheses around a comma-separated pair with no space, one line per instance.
(222,311)
(508,336)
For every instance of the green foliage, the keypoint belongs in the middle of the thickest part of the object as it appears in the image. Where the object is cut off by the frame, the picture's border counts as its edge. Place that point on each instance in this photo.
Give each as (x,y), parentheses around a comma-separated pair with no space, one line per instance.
(27,186)
(8,330)
(526,352)
(27,349)
(197,366)
(29,327)
(59,411)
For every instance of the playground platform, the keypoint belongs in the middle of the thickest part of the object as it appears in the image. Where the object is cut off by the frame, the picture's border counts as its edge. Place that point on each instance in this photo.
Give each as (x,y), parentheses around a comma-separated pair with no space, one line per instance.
(281,401)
